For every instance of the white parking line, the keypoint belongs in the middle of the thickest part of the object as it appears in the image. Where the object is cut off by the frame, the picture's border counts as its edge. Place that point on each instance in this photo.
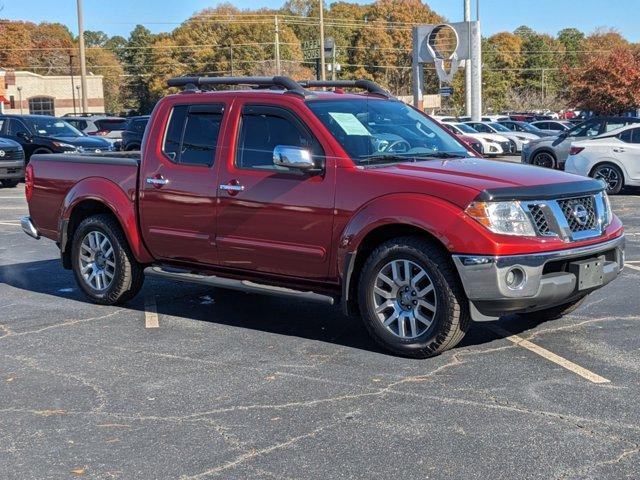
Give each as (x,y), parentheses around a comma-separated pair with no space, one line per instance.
(635,267)
(150,312)
(14,224)
(552,357)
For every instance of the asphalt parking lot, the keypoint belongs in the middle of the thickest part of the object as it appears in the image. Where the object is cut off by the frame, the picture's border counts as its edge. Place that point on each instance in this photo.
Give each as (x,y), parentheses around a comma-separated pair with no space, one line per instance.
(237,386)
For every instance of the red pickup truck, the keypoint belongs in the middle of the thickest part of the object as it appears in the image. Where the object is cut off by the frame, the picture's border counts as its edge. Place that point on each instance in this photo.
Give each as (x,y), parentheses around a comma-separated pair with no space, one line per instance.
(330,196)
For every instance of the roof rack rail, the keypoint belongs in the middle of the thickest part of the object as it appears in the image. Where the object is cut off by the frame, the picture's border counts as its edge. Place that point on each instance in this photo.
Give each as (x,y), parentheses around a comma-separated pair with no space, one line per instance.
(368,85)
(192,83)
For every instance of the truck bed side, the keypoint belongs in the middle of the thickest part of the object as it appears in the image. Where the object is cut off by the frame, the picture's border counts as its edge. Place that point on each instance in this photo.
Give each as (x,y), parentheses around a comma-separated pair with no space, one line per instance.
(63,181)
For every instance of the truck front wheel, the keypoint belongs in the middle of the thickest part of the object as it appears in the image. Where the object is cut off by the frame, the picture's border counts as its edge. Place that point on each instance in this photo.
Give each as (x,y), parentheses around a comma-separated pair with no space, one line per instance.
(411,299)
(103,264)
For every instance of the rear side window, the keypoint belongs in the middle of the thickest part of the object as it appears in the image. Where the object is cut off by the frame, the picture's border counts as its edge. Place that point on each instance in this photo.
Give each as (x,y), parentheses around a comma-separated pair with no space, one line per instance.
(110,125)
(630,136)
(192,134)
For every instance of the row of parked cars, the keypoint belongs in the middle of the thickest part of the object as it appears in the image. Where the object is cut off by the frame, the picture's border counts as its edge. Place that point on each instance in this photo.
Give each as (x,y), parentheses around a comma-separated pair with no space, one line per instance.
(21,136)
(606,148)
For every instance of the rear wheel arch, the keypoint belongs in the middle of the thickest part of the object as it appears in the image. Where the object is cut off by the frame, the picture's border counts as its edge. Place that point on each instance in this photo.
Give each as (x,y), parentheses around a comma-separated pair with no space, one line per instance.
(80,211)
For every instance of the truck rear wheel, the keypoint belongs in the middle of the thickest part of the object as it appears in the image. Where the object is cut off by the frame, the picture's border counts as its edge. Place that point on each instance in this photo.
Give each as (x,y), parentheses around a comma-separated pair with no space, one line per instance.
(411,299)
(103,264)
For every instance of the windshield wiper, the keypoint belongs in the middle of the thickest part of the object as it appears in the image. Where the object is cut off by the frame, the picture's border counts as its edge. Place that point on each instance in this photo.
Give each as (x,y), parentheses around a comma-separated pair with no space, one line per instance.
(442,155)
(377,159)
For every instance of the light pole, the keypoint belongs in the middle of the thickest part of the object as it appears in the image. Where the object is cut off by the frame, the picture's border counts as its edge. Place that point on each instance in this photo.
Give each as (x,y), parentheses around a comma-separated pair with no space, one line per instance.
(20,98)
(73,88)
(78,95)
(83,64)
(323,75)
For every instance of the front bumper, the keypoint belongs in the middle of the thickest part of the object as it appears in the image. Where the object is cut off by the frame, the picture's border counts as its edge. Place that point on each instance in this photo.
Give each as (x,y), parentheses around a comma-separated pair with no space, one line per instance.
(546,277)
(12,169)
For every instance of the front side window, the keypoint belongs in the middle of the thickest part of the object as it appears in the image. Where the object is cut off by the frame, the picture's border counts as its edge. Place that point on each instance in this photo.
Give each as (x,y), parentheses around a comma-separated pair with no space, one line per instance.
(374,130)
(263,128)
(480,127)
(41,106)
(589,129)
(192,134)
(16,126)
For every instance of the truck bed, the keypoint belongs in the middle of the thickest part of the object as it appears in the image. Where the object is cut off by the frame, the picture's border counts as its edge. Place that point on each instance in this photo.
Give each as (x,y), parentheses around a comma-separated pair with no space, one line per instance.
(57,174)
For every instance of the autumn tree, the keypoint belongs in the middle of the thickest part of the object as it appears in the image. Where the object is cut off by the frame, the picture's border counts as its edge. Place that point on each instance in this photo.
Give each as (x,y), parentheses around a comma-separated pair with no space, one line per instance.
(609,83)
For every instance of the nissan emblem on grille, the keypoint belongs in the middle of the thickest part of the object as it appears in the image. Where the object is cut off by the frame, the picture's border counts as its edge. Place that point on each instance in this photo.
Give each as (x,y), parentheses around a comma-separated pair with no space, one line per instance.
(2,153)
(580,213)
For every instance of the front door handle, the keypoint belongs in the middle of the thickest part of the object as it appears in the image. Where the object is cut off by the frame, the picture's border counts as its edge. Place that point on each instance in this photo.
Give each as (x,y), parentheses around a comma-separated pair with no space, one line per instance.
(157,181)
(618,150)
(232,188)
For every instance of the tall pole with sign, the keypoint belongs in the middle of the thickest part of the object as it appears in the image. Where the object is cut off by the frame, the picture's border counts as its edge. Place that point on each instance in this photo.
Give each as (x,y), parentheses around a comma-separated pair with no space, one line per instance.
(323,75)
(83,63)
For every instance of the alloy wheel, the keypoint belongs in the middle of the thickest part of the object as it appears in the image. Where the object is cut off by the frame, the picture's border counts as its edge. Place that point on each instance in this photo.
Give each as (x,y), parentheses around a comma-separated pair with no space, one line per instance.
(404,298)
(610,176)
(97,261)
(544,159)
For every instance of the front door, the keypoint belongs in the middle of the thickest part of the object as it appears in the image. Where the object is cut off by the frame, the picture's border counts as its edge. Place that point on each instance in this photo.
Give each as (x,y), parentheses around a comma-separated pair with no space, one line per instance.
(271,219)
(178,183)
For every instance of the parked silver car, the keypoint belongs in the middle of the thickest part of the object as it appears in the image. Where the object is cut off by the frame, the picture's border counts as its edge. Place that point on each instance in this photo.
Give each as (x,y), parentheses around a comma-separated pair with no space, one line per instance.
(553,126)
(552,152)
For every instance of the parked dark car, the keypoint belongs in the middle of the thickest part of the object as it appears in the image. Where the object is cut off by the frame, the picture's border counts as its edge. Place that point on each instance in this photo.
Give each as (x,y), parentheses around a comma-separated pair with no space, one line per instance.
(133,132)
(552,152)
(11,163)
(524,127)
(47,134)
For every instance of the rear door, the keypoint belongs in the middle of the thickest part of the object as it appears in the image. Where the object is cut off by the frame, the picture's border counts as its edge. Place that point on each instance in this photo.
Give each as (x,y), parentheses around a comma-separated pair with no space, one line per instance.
(270,219)
(178,183)
(628,151)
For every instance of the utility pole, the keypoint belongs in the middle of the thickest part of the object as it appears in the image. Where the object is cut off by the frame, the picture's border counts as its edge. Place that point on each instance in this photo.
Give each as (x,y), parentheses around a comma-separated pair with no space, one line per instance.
(277,45)
(323,75)
(20,98)
(333,61)
(73,87)
(467,63)
(231,58)
(83,64)
(476,69)
(542,85)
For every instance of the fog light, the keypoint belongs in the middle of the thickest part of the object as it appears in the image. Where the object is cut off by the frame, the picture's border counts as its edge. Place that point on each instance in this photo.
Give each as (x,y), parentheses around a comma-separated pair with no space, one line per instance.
(515,278)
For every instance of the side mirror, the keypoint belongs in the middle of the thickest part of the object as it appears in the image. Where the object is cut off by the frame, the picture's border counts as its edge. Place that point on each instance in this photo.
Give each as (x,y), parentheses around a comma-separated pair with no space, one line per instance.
(293,157)
(23,135)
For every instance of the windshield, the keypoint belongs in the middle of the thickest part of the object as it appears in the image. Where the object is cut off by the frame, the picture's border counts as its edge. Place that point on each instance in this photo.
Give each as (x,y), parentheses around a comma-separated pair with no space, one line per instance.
(464,128)
(53,127)
(384,130)
(499,127)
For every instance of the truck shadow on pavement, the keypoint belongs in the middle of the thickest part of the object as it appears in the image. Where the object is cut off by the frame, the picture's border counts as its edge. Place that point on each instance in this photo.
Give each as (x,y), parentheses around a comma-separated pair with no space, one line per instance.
(233,308)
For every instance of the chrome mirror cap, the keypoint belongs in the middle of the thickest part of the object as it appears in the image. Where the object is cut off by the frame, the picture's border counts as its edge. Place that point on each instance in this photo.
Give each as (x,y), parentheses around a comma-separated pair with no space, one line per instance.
(293,157)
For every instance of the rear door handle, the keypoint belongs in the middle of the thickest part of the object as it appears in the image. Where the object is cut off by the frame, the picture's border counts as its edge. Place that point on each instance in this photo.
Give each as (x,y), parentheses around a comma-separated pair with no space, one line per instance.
(232,188)
(157,181)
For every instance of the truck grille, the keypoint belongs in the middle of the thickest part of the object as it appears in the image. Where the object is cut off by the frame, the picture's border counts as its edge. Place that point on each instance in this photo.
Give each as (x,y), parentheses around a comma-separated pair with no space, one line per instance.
(540,220)
(11,155)
(587,221)
(569,218)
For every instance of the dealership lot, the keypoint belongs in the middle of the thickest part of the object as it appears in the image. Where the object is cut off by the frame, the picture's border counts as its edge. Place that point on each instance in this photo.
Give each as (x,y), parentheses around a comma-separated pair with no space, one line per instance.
(188,382)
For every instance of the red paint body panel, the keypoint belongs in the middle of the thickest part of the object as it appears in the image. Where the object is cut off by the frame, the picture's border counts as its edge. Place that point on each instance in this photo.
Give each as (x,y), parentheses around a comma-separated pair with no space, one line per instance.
(291,226)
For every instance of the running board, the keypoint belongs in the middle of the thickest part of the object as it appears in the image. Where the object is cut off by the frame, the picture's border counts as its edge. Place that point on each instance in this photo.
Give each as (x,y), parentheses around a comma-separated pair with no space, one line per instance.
(242,285)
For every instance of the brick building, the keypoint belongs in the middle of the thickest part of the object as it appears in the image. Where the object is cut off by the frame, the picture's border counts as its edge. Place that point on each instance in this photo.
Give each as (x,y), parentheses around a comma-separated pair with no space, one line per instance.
(27,92)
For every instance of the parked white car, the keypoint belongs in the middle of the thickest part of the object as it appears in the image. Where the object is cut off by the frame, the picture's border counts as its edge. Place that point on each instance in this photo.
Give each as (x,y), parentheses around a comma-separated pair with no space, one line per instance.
(518,139)
(553,126)
(613,157)
(492,145)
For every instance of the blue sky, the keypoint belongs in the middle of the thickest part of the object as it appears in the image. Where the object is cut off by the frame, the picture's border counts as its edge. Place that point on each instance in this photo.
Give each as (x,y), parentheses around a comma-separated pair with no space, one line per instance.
(550,16)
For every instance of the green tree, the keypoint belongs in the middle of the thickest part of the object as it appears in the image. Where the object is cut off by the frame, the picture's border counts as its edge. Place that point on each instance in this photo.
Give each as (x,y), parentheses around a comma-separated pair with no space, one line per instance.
(139,68)
(573,41)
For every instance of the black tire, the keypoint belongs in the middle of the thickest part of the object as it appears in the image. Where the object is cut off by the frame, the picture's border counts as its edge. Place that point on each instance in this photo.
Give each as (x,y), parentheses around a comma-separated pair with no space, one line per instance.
(10,183)
(451,319)
(612,176)
(129,274)
(554,313)
(544,159)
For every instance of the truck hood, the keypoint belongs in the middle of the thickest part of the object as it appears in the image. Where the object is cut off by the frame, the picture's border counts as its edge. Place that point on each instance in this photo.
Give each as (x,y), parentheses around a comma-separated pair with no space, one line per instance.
(88,143)
(477,176)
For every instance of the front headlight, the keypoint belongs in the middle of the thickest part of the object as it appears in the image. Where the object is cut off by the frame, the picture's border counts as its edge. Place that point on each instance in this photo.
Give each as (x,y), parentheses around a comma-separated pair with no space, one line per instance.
(506,218)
